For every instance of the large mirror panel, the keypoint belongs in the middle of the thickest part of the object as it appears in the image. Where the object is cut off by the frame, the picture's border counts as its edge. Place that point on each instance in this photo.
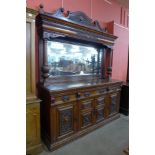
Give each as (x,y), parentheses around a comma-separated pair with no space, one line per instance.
(72,59)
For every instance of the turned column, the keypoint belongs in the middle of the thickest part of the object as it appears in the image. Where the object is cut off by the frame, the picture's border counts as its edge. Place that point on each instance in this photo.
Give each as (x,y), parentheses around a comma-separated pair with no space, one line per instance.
(45,67)
(103,60)
(109,68)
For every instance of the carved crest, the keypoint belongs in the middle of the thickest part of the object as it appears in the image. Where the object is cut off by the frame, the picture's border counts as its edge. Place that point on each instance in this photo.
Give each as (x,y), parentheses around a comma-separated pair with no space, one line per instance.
(77,17)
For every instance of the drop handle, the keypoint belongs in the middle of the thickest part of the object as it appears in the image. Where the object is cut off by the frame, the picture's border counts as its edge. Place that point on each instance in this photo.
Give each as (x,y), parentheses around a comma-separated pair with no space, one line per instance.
(65,98)
(87,94)
(78,95)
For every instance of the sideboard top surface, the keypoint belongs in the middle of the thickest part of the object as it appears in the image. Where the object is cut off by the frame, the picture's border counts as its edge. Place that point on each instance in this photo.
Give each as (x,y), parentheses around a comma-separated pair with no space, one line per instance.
(80,84)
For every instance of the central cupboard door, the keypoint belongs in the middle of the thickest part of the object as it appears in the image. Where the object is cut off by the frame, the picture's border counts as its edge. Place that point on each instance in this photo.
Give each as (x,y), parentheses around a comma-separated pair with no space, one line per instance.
(66,119)
(113,104)
(86,113)
(100,108)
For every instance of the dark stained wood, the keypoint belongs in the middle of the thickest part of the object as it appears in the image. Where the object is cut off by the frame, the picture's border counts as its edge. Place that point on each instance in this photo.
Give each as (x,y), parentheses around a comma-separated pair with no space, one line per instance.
(124,100)
(73,106)
(94,104)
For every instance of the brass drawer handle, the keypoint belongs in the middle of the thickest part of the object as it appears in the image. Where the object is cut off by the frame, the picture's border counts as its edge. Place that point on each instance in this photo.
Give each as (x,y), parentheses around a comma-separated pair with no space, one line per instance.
(86,94)
(78,95)
(65,98)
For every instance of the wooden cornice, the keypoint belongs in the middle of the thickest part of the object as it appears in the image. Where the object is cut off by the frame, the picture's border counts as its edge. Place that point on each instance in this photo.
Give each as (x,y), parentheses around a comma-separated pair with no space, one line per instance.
(29,10)
(73,24)
(31,13)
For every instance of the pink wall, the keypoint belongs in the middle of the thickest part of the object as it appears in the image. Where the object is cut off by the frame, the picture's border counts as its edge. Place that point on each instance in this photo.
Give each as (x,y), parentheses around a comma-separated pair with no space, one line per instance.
(120,51)
(114,15)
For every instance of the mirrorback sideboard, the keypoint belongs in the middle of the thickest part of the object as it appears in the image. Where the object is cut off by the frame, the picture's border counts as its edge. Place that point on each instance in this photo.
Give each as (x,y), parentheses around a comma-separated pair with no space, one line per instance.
(75,85)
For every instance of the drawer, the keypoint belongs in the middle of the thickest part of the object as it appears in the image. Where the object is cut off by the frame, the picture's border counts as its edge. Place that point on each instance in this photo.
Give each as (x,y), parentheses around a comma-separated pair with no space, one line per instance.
(86,104)
(85,93)
(100,101)
(63,98)
(114,89)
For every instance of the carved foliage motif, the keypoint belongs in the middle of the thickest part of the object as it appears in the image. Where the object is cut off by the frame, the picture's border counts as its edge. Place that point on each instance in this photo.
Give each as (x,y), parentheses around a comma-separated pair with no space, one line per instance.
(86,119)
(49,36)
(78,17)
(66,123)
(100,101)
(100,114)
(86,105)
(113,104)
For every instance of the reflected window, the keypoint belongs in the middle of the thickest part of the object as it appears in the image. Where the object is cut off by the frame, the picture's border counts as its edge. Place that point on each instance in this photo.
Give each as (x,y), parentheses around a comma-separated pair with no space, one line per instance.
(70,59)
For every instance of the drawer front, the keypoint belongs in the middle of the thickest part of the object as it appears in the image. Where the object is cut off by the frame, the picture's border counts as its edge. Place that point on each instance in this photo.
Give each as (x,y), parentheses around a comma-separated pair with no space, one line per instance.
(100,101)
(63,98)
(86,104)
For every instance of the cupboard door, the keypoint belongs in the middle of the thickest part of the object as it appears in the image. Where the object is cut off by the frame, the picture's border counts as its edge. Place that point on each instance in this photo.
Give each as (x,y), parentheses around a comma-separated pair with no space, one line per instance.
(100,109)
(86,113)
(99,114)
(113,103)
(65,120)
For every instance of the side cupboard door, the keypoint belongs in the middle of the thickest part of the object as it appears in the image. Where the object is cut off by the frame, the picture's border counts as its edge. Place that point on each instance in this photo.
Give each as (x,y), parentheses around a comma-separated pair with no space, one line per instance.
(65,120)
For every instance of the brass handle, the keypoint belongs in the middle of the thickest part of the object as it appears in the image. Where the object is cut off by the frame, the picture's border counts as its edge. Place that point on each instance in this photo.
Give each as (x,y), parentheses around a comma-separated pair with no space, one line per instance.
(65,98)
(78,95)
(86,94)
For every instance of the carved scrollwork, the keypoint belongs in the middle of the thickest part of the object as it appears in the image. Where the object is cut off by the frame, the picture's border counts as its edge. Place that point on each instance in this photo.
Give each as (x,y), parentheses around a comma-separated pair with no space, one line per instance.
(66,123)
(59,12)
(100,115)
(113,104)
(82,18)
(78,17)
(86,119)
(49,36)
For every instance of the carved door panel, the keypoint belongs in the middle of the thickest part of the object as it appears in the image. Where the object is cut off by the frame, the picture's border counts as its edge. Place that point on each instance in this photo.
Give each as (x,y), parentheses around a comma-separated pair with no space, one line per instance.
(113,105)
(86,113)
(86,119)
(66,120)
(100,114)
(100,109)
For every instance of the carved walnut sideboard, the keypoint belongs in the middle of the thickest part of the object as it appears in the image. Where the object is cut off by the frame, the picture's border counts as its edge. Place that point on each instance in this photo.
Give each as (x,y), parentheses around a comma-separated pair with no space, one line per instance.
(77,92)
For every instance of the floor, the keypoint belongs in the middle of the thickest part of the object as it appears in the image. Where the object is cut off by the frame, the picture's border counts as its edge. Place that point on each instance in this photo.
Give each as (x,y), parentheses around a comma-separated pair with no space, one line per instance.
(111,139)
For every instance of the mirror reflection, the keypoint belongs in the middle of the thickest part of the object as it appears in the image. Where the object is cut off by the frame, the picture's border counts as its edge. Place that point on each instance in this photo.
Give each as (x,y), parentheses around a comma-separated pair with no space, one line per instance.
(70,59)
